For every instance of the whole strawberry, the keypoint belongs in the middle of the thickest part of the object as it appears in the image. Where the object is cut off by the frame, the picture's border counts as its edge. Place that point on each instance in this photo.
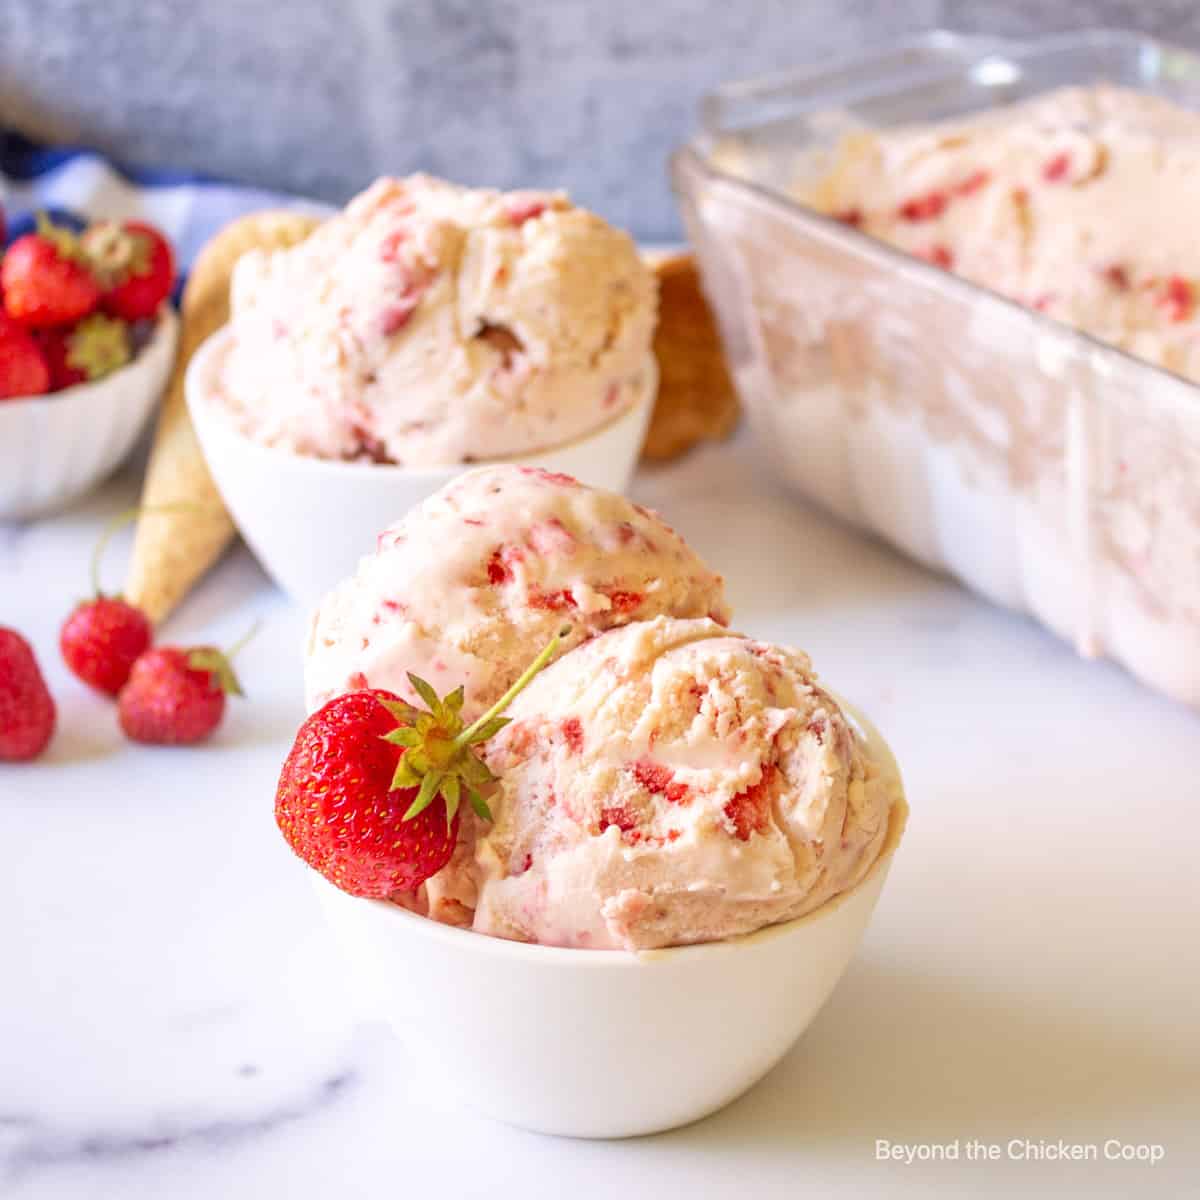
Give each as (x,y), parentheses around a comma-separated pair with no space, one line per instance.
(23,367)
(134,264)
(176,696)
(27,713)
(369,794)
(91,349)
(45,280)
(338,810)
(102,639)
(104,635)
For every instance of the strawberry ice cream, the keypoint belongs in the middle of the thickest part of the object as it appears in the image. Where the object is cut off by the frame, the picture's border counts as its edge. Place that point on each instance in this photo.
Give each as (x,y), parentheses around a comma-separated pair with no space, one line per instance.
(434,324)
(1074,204)
(468,587)
(670,782)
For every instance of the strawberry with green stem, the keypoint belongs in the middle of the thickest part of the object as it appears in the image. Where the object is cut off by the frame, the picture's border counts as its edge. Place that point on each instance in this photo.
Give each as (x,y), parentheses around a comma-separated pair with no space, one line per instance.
(176,696)
(370,794)
(105,635)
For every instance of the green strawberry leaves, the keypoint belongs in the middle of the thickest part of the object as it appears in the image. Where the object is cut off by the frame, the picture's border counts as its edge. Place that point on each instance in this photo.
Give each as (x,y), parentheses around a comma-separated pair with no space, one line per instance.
(439,756)
(217,664)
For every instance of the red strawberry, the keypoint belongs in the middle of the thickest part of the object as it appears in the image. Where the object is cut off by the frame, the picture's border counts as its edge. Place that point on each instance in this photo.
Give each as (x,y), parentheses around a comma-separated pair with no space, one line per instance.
(356,796)
(23,369)
(104,636)
(338,811)
(27,712)
(134,264)
(102,639)
(174,696)
(45,283)
(93,348)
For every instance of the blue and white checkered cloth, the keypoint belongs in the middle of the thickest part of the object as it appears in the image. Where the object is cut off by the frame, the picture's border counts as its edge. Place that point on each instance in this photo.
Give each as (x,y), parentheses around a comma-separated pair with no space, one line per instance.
(75,186)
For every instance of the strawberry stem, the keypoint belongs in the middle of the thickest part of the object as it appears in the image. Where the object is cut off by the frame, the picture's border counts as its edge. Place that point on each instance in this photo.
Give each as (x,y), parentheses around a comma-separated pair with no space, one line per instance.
(513,692)
(106,535)
(116,523)
(244,640)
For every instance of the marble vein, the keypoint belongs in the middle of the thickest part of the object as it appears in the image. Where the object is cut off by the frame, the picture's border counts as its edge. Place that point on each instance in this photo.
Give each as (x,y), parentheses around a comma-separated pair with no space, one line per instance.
(40,1145)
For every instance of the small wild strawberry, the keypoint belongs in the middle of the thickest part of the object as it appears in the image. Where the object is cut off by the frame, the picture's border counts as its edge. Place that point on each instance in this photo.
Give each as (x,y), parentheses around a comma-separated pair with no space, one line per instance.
(369,794)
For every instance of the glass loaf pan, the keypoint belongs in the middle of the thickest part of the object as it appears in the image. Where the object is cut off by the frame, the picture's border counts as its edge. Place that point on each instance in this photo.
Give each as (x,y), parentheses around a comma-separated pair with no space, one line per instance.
(1052,473)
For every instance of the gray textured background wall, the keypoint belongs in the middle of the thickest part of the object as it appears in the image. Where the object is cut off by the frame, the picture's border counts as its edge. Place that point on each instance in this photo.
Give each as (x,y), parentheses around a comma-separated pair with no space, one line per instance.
(319,96)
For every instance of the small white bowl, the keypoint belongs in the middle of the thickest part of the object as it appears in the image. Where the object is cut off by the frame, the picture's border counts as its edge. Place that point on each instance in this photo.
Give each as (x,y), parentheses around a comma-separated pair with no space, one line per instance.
(310,520)
(56,447)
(603,1043)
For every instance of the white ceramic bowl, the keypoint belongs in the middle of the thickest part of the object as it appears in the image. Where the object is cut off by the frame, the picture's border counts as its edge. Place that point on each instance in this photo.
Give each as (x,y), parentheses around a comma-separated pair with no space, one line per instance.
(309,521)
(602,1043)
(54,448)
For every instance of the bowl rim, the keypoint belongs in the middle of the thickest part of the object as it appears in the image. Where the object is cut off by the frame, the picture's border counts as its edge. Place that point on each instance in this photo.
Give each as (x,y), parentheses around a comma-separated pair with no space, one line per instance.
(535,954)
(206,415)
(166,324)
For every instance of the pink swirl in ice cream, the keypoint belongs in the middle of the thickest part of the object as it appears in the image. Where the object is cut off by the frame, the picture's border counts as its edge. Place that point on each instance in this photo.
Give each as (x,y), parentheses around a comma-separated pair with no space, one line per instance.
(429,323)
(668,783)
(468,587)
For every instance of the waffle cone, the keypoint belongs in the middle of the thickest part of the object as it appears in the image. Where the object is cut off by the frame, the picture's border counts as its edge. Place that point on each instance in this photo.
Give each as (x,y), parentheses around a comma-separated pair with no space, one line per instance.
(173,548)
(696,398)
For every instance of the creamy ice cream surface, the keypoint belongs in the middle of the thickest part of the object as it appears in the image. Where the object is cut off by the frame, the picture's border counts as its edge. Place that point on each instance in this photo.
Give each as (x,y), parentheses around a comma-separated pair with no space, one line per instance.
(468,587)
(1077,203)
(670,783)
(430,324)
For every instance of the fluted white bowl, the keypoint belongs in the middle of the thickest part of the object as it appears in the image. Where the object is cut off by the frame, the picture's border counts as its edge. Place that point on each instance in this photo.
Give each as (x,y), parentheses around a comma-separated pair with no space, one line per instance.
(55,448)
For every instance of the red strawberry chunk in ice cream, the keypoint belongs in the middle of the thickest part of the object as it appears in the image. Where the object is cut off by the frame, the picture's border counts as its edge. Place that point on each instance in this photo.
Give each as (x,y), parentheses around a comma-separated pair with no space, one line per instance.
(559,477)
(660,780)
(973,182)
(498,571)
(1118,276)
(924,208)
(560,600)
(1177,298)
(624,819)
(521,211)
(749,811)
(939,256)
(572,731)
(623,602)
(1055,169)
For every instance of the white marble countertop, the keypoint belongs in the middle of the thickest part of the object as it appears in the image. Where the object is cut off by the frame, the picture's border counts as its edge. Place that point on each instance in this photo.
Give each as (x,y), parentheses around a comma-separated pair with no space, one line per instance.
(172,1017)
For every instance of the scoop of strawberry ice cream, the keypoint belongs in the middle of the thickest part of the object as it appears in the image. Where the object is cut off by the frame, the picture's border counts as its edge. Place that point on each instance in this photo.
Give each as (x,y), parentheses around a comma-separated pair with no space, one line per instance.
(468,587)
(429,323)
(670,782)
